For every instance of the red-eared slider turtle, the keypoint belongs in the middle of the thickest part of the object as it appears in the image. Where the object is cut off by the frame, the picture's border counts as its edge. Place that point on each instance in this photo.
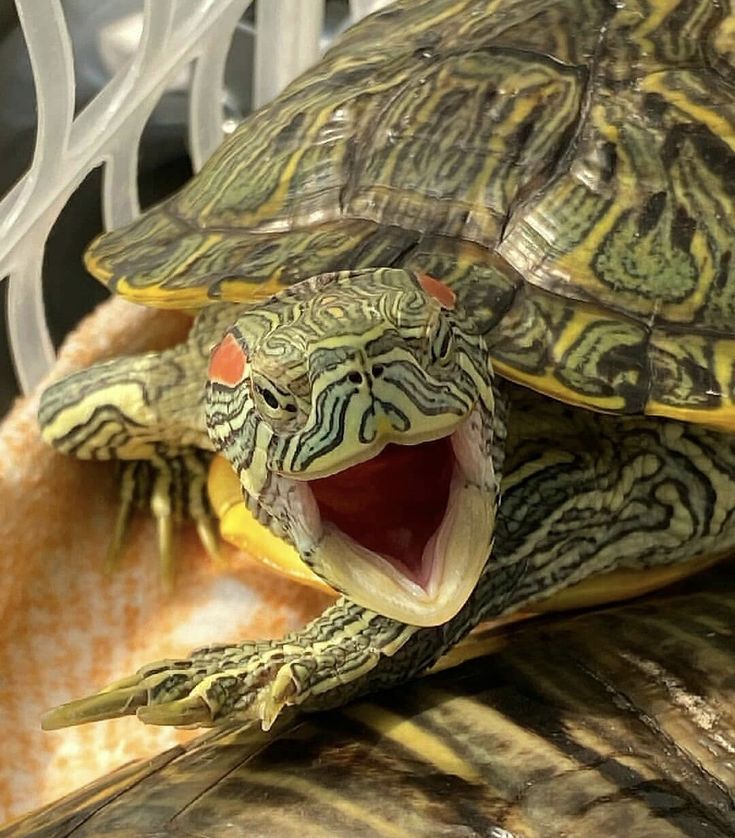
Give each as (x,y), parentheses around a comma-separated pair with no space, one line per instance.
(539,188)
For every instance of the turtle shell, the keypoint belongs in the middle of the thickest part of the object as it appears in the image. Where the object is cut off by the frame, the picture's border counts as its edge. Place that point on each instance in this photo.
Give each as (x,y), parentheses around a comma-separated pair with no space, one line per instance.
(568,166)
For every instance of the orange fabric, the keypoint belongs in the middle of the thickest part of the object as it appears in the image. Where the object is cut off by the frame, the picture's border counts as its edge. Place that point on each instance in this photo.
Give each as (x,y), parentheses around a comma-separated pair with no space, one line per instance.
(68,629)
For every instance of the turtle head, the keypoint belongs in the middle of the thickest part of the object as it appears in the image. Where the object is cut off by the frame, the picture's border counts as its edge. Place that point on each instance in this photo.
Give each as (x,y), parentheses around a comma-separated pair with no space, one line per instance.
(357,409)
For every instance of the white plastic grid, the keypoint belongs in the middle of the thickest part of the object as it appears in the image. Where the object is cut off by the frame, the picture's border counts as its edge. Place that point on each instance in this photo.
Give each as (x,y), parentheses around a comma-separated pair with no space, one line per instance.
(175,35)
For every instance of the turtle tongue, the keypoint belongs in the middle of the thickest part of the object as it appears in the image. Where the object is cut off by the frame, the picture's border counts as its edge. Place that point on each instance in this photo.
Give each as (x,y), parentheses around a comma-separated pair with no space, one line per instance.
(393,503)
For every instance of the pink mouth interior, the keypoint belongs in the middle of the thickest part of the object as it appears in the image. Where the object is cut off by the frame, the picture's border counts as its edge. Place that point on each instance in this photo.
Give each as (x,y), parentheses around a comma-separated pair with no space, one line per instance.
(392,504)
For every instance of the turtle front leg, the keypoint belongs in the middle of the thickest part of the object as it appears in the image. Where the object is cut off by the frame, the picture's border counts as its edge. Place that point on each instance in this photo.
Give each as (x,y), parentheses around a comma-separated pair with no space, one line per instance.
(326,663)
(345,652)
(147,412)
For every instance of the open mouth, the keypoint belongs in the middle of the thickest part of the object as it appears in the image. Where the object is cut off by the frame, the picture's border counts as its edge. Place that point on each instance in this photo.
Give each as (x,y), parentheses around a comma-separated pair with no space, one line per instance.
(392,504)
(405,533)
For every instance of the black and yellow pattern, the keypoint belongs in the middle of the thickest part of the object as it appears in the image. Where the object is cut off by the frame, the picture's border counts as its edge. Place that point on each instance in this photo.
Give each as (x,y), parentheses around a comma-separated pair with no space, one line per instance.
(583,152)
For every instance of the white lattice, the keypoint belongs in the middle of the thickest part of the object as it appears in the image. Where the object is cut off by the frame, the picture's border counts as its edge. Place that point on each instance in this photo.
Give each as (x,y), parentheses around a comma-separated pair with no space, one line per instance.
(176,35)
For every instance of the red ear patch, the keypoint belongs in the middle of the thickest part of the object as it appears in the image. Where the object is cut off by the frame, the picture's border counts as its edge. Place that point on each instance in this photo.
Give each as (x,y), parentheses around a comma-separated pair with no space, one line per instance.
(227,362)
(438,290)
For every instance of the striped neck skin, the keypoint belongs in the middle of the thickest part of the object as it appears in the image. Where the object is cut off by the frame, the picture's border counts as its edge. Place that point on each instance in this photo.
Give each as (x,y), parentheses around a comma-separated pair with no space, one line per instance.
(358,414)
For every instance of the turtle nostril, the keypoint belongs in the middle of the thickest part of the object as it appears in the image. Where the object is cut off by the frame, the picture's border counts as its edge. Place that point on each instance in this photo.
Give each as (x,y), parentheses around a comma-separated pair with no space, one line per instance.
(378,370)
(355,377)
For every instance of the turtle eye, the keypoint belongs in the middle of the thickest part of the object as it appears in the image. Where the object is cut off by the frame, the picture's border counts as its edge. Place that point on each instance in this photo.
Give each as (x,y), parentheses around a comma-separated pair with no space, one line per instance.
(269,397)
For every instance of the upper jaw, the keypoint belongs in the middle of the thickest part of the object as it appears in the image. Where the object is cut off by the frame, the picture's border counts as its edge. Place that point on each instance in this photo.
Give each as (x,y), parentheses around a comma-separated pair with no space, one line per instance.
(452,560)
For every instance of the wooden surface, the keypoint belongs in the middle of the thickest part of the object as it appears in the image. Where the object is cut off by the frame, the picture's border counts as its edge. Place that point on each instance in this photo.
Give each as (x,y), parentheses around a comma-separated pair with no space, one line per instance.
(619,722)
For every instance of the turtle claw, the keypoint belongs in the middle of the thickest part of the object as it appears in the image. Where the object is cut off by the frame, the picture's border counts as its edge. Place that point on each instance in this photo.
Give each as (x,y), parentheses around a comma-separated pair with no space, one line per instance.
(124,697)
(128,491)
(161,509)
(192,711)
(173,486)
(112,704)
(273,699)
(208,539)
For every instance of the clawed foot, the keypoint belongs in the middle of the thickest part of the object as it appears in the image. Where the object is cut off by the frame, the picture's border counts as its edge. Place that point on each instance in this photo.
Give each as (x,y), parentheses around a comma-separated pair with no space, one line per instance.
(248,682)
(173,487)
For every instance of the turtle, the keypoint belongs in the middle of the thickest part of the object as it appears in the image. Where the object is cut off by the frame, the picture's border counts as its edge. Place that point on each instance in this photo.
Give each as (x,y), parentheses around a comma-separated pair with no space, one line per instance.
(464,297)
